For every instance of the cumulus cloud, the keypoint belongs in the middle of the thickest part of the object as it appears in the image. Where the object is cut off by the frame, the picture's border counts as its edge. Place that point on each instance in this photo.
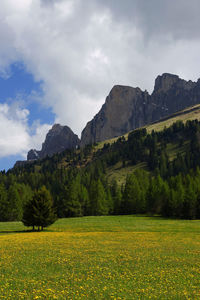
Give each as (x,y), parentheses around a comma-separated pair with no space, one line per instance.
(16,137)
(37,134)
(13,138)
(80,49)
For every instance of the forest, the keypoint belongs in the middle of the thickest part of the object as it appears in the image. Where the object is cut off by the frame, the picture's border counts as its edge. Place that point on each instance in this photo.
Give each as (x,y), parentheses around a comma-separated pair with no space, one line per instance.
(167,185)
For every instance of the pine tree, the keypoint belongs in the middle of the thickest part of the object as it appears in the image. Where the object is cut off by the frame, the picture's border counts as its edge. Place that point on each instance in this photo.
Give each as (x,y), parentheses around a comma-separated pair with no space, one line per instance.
(4,212)
(116,196)
(132,196)
(14,204)
(99,204)
(84,200)
(72,201)
(39,211)
(190,203)
(155,195)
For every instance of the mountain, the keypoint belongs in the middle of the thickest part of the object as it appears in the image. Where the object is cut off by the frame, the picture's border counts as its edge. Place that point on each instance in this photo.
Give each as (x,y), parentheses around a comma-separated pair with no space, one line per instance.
(127,108)
(58,139)
(144,171)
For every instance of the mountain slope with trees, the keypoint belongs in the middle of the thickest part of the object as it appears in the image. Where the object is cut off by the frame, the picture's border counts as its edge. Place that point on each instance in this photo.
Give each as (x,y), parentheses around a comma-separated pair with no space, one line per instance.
(164,179)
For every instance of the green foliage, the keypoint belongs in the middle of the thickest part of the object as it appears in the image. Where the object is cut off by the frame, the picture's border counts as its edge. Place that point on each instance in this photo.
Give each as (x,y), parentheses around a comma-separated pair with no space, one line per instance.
(133,198)
(4,212)
(99,203)
(116,195)
(78,180)
(39,210)
(14,203)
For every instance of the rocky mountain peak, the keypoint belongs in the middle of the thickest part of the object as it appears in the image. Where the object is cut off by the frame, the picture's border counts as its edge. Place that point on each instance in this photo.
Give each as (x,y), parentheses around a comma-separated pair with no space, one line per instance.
(121,92)
(127,108)
(165,81)
(58,139)
(56,127)
(119,114)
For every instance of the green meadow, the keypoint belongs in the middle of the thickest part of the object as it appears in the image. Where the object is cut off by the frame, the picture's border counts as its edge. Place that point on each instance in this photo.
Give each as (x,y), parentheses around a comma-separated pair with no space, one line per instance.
(114,257)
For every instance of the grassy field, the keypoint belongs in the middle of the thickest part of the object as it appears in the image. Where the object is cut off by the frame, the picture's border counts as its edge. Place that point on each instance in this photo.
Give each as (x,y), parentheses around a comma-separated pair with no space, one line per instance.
(125,257)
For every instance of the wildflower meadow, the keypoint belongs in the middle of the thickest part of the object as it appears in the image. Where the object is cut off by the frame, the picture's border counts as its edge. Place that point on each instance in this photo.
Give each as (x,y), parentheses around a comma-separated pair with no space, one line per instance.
(118,257)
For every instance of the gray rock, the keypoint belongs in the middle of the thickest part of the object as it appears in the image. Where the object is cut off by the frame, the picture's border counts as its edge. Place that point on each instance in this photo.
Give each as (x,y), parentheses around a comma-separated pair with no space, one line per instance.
(127,108)
(33,154)
(123,110)
(58,139)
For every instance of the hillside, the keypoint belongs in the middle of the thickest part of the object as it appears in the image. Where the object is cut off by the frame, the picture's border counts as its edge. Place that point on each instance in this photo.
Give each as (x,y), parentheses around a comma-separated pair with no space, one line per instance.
(189,113)
(82,160)
(146,171)
(119,171)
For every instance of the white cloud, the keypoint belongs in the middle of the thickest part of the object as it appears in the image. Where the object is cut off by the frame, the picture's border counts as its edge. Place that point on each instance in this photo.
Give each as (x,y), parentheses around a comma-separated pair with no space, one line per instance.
(13,135)
(79,54)
(80,49)
(16,138)
(39,133)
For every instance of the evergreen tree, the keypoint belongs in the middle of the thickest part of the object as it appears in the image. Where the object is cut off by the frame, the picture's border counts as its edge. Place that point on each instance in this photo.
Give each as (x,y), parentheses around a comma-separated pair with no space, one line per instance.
(84,200)
(14,204)
(132,196)
(4,211)
(72,204)
(154,195)
(116,197)
(190,203)
(39,211)
(99,204)
(165,200)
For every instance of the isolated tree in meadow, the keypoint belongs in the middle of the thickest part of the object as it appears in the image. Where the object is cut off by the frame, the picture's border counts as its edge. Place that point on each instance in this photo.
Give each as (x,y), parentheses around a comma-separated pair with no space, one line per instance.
(39,210)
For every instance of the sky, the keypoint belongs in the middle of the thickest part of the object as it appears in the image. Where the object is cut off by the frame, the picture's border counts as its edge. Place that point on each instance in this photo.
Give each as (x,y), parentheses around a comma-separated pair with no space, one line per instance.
(60,58)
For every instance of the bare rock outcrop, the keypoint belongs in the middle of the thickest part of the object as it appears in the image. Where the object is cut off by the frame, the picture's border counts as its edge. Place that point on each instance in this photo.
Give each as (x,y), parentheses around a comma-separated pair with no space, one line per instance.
(127,108)
(58,139)
(124,109)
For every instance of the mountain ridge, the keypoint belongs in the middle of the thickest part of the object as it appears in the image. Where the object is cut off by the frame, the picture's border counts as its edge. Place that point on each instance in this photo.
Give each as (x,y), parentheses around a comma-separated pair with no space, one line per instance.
(127,108)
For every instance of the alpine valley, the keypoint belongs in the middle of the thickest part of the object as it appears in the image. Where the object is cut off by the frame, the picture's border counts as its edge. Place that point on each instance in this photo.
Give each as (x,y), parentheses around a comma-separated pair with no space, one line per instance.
(139,154)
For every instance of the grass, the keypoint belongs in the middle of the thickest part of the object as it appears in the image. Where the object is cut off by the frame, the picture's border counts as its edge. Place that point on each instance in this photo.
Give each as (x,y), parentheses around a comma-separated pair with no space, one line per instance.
(118,257)
(189,113)
(119,173)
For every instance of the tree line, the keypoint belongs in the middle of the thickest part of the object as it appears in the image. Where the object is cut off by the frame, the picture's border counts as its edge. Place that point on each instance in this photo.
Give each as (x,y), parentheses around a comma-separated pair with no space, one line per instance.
(77,180)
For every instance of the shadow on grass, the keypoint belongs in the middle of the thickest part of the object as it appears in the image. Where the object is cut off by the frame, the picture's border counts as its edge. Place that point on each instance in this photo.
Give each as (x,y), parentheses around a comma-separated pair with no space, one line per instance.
(19,231)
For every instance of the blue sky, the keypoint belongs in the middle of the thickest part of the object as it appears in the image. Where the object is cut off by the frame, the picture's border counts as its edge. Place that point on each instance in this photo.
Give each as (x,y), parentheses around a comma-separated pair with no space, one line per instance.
(59,59)
(19,86)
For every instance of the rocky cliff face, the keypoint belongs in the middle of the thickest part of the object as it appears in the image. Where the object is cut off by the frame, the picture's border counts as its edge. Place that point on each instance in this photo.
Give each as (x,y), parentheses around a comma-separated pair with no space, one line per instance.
(123,110)
(127,108)
(58,139)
